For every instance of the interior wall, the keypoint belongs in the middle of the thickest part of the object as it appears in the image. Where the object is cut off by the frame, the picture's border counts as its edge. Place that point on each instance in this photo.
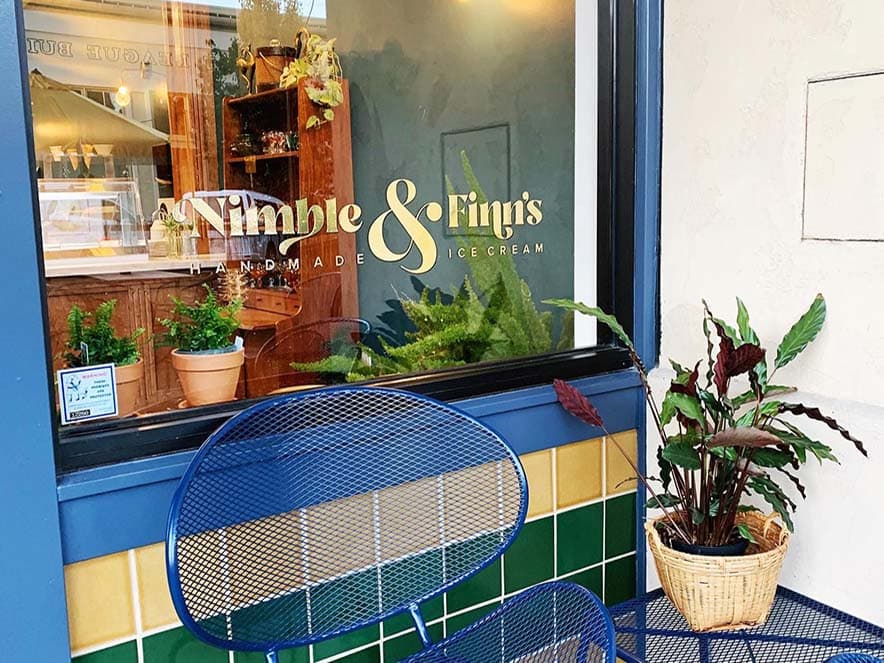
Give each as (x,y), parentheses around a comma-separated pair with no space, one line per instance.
(735,95)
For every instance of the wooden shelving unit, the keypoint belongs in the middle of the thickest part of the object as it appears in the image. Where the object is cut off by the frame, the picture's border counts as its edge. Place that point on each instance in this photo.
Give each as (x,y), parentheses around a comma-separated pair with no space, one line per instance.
(322,168)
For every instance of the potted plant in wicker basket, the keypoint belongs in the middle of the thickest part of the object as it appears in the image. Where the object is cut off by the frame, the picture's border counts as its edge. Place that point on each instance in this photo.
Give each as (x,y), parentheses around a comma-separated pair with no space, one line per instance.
(718,558)
(92,340)
(206,356)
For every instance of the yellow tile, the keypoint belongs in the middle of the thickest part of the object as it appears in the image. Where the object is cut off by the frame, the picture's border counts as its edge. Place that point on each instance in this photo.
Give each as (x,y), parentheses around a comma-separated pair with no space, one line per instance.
(264,557)
(578,472)
(482,498)
(99,598)
(153,587)
(538,470)
(340,536)
(402,530)
(619,475)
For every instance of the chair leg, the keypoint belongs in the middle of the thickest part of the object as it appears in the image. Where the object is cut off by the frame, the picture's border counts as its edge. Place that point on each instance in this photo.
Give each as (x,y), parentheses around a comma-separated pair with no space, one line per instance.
(272,657)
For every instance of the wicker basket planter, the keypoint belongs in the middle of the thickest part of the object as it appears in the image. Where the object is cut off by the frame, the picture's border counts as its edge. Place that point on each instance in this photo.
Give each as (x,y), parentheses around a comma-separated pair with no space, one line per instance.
(722,593)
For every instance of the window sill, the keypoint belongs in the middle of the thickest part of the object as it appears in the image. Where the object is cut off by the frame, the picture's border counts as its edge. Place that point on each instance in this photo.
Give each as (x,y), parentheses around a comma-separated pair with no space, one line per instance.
(116,507)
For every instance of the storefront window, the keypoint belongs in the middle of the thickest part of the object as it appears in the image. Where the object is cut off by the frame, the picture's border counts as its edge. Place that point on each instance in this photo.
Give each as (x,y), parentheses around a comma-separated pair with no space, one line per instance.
(249,197)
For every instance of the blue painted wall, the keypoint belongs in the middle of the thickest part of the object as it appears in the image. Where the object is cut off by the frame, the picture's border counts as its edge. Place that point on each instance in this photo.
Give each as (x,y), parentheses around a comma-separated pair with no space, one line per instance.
(33,618)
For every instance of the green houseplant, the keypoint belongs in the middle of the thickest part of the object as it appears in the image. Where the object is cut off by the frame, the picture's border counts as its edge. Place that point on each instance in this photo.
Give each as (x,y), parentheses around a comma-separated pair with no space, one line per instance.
(716,448)
(206,356)
(92,340)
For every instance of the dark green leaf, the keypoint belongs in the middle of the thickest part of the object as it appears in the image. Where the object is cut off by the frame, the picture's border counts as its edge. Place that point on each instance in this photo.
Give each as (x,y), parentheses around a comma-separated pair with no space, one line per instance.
(665,469)
(667,410)
(728,453)
(815,414)
(802,332)
(697,516)
(688,406)
(798,485)
(767,409)
(609,320)
(746,332)
(678,368)
(709,348)
(800,443)
(771,458)
(665,500)
(711,402)
(774,496)
(746,533)
(683,454)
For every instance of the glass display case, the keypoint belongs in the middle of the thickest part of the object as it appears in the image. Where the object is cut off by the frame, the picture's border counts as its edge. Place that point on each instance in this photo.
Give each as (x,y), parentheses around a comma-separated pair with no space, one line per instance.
(84,219)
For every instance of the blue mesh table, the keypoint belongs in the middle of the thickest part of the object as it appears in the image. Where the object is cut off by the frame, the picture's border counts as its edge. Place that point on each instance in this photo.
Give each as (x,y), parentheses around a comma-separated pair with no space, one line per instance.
(799,630)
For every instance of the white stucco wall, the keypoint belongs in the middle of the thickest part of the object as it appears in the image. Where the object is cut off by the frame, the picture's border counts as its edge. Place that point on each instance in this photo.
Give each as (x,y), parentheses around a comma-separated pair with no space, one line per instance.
(735,77)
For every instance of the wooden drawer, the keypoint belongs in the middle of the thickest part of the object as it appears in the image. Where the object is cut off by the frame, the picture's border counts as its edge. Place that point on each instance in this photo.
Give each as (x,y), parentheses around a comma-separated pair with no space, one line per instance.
(274,301)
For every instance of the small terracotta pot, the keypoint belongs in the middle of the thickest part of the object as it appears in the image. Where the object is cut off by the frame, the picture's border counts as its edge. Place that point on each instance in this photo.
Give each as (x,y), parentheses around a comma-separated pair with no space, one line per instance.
(208,377)
(128,379)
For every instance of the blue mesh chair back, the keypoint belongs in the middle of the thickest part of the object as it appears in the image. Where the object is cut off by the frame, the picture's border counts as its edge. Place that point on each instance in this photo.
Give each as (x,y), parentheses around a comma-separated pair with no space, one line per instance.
(314,514)
(854,658)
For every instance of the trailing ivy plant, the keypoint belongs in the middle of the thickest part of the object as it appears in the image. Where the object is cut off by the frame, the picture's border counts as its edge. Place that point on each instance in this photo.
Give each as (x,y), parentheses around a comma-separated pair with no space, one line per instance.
(715,448)
(491,316)
(202,326)
(93,340)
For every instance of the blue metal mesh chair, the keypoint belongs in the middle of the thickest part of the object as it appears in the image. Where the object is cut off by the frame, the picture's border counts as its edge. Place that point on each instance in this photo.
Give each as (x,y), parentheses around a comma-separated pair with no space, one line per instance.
(311,515)
(854,658)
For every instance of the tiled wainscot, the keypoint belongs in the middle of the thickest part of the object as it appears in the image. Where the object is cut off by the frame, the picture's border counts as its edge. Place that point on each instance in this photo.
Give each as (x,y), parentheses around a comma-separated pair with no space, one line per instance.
(581,527)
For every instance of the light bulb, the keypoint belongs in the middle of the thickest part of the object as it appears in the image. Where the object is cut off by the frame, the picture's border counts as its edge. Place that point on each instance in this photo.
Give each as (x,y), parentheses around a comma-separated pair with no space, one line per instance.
(122,97)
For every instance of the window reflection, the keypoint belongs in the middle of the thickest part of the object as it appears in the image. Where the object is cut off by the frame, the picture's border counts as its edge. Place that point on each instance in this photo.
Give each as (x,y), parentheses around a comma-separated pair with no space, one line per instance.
(381,187)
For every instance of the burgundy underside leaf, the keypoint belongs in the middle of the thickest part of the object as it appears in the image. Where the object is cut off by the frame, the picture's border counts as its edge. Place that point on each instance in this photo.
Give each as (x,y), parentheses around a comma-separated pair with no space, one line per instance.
(815,414)
(743,359)
(743,437)
(725,350)
(577,404)
(689,387)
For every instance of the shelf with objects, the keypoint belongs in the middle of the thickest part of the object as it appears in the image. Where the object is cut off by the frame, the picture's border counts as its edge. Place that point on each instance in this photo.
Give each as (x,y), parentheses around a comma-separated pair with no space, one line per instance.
(289,294)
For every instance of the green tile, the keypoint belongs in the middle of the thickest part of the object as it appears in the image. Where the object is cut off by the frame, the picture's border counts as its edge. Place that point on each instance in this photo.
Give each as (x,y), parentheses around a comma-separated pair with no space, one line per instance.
(296,655)
(347,641)
(124,653)
(406,579)
(332,603)
(405,645)
(580,538)
(367,655)
(461,621)
(619,525)
(620,580)
(590,578)
(530,559)
(430,610)
(179,646)
(482,587)
(279,619)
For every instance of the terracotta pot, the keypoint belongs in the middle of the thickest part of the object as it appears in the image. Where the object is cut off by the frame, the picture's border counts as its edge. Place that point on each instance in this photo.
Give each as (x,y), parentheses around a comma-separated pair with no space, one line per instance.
(208,377)
(128,379)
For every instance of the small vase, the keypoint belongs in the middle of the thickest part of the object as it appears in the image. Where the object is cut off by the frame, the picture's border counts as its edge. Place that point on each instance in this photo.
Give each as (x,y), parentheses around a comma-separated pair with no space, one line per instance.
(128,379)
(173,242)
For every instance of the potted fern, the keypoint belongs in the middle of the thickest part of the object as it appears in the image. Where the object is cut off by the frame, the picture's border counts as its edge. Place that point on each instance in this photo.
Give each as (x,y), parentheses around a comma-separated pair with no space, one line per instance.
(92,340)
(206,356)
(717,556)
